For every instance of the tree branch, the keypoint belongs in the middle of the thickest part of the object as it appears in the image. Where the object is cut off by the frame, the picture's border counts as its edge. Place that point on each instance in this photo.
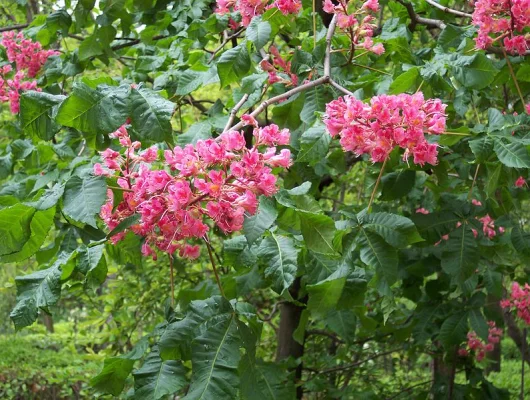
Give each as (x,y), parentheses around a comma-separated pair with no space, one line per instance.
(227,39)
(356,364)
(416,19)
(448,10)
(134,42)
(234,111)
(13,27)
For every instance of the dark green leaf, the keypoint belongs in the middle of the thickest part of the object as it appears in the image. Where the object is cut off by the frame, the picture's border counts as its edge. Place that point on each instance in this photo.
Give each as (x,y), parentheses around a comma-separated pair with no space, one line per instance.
(36,113)
(255,226)
(83,198)
(15,228)
(281,257)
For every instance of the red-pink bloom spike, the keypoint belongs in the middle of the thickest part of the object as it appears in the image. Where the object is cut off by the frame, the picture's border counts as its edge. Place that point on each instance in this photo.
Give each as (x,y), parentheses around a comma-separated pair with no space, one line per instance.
(215,179)
(480,347)
(520,182)
(504,20)
(519,300)
(251,8)
(359,23)
(28,58)
(387,122)
(277,66)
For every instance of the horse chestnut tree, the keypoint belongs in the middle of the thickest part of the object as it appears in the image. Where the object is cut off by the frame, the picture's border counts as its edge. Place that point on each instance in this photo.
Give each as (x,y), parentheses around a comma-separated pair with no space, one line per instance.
(258,199)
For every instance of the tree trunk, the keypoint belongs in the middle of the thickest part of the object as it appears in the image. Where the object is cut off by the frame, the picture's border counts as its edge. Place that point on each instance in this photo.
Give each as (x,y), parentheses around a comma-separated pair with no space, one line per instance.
(442,375)
(290,314)
(47,320)
(515,333)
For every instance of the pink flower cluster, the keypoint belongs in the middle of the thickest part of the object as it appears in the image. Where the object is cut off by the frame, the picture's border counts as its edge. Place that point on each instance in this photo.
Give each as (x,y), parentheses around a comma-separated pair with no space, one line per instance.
(502,20)
(28,58)
(520,301)
(359,24)
(217,179)
(250,8)
(279,65)
(478,346)
(387,122)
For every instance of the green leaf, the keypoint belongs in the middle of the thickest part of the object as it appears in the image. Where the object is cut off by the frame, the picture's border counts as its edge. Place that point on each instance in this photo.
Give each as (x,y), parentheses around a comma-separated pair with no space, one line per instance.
(314,145)
(39,227)
(49,198)
(315,100)
(124,224)
(513,155)
(324,296)
(377,253)
(259,32)
(405,81)
(36,113)
(318,232)
(478,323)
(454,329)
(398,184)
(83,198)
(398,231)
(91,263)
(96,111)
(460,254)
(434,225)
(264,381)
(255,226)
(475,72)
(111,380)
(233,65)
(151,115)
(482,148)
(343,323)
(521,240)
(281,257)
(15,228)
(38,291)
(189,81)
(157,378)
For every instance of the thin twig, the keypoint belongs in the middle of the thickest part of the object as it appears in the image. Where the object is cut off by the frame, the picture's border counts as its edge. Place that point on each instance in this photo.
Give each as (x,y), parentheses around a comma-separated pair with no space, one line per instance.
(513,76)
(376,185)
(473,184)
(226,39)
(329,37)
(209,247)
(448,10)
(234,112)
(355,364)
(340,88)
(13,27)
(408,389)
(416,19)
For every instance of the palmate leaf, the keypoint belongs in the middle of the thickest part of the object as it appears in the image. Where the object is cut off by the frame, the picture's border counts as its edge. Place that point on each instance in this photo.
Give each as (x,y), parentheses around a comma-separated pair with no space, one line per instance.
(15,228)
(214,334)
(157,378)
(514,155)
(39,227)
(264,381)
(36,112)
(150,115)
(281,256)
(460,254)
(38,291)
(398,231)
(255,226)
(95,111)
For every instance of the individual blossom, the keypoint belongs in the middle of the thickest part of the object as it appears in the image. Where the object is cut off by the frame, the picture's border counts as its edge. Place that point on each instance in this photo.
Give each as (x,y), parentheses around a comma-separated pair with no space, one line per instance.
(504,22)
(180,194)
(357,19)
(251,8)
(279,70)
(388,121)
(520,182)
(480,347)
(519,300)
(422,211)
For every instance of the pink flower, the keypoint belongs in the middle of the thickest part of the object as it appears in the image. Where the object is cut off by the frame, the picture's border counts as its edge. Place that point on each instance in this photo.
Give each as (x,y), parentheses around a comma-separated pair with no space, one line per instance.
(422,211)
(520,182)
(478,346)
(519,300)
(251,8)
(476,202)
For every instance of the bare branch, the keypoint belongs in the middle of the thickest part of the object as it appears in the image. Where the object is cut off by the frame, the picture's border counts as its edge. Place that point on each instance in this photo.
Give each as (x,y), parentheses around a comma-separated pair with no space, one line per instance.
(340,88)
(416,19)
(449,10)
(329,37)
(134,42)
(226,39)
(13,27)
(234,111)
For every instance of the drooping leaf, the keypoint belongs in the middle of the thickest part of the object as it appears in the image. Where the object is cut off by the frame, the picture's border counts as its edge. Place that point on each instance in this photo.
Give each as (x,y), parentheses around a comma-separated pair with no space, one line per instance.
(377,253)
(460,254)
(15,228)
(157,378)
(233,64)
(281,256)
(255,226)
(475,72)
(83,198)
(324,296)
(39,227)
(36,113)
(318,231)
(454,329)
(395,229)
(264,381)
(259,32)
(150,115)
(91,262)
(397,184)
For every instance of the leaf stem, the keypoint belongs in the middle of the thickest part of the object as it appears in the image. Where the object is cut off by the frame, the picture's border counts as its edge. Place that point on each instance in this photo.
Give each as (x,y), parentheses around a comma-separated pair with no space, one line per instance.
(376,185)
(470,194)
(510,67)
(172,280)
(212,261)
